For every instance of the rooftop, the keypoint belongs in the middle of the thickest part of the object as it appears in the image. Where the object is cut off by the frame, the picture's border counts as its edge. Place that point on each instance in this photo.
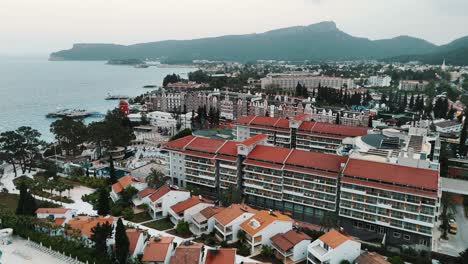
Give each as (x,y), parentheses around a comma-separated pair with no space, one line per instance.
(160,192)
(262,219)
(51,210)
(84,224)
(221,256)
(123,182)
(157,249)
(329,162)
(190,202)
(232,212)
(334,238)
(187,254)
(288,240)
(133,236)
(371,258)
(393,173)
(269,153)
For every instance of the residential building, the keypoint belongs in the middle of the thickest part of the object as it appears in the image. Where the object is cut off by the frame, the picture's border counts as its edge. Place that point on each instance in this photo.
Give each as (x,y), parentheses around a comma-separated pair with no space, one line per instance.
(397,202)
(227,222)
(332,248)
(412,85)
(263,225)
(81,226)
(186,209)
(220,256)
(448,126)
(297,132)
(56,217)
(290,81)
(203,222)
(168,120)
(379,81)
(160,200)
(136,239)
(188,253)
(347,118)
(290,247)
(458,168)
(126,182)
(158,250)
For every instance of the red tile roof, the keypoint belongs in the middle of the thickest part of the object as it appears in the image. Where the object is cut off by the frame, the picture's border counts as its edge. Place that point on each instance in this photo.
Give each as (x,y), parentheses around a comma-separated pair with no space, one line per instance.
(85,223)
(268,165)
(282,123)
(253,140)
(244,119)
(265,121)
(133,236)
(301,117)
(51,210)
(230,148)
(160,193)
(371,258)
(179,143)
(264,219)
(205,144)
(145,192)
(221,256)
(269,153)
(350,131)
(393,173)
(190,202)
(157,250)
(187,254)
(306,125)
(288,240)
(317,160)
(211,211)
(334,238)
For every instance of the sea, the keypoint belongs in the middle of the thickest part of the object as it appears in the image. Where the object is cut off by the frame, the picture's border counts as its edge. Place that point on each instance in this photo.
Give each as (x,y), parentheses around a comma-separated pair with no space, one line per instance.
(31,87)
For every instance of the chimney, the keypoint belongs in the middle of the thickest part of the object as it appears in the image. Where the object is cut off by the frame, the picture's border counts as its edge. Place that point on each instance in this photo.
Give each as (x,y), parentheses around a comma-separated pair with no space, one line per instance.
(270,211)
(200,197)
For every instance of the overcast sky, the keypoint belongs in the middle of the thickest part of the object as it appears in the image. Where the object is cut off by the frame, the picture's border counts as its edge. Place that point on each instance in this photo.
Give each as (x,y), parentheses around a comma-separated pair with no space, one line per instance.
(43,26)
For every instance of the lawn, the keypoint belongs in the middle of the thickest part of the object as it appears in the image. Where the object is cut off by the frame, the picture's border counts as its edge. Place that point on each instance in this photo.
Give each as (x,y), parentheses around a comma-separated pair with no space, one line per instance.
(141,217)
(160,225)
(272,260)
(173,232)
(10,201)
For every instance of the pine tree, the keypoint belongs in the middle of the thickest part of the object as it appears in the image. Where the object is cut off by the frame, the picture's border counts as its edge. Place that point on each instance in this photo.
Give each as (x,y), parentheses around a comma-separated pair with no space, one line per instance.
(121,243)
(337,121)
(112,173)
(411,102)
(462,144)
(22,198)
(298,89)
(103,207)
(369,124)
(100,234)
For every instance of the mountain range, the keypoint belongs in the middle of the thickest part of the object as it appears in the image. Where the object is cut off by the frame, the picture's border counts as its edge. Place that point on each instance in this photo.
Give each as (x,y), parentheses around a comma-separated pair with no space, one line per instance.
(317,42)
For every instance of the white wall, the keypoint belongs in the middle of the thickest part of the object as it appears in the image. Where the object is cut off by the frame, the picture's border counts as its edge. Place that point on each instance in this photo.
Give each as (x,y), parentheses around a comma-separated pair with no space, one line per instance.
(195,209)
(300,250)
(235,224)
(272,229)
(349,250)
(177,167)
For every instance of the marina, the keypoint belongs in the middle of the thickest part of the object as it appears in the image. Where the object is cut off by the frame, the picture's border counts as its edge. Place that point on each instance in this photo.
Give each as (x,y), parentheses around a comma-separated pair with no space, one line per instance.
(73,113)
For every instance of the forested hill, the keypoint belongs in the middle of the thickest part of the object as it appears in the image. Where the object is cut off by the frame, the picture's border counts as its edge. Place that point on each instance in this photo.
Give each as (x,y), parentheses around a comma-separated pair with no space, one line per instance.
(316,42)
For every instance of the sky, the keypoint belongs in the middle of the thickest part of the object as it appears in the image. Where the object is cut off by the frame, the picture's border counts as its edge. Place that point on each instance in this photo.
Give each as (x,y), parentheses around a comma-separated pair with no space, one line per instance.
(43,26)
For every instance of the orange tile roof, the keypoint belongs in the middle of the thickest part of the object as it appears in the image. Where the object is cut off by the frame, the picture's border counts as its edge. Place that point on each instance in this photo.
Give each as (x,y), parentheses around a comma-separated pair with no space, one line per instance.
(123,182)
(51,210)
(187,254)
(205,144)
(349,131)
(230,148)
(334,238)
(133,236)
(85,223)
(393,173)
(160,192)
(301,117)
(157,250)
(211,211)
(264,219)
(318,160)
(371,258)
(253,140)
(190,202)
(244,119)
(230,213)
(221,256)
(288,240)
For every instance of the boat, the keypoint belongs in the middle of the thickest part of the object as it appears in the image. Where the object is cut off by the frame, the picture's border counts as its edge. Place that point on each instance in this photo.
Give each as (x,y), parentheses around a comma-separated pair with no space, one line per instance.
(73,113)
(142,65)
(117,97)
(151,86)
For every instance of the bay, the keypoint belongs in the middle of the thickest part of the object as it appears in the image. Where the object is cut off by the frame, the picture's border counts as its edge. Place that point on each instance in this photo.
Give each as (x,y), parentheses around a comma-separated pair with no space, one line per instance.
(31,87)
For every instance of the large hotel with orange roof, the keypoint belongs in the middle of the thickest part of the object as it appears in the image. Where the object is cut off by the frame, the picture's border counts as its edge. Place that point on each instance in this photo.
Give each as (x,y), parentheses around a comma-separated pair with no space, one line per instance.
(373,200)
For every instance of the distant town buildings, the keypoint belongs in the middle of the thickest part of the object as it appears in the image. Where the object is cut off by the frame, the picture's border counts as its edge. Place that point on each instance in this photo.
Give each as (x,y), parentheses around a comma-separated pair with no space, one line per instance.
(290,81)
(379,81)
(411,85)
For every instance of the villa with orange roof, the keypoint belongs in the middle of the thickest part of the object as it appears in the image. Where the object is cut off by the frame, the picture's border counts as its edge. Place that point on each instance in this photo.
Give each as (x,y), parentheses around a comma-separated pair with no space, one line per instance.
(56,217)
(136,239)
(333,247)
(126,182)
(220,255)
(188,253)
(290,247)
(203,222)
(262,226)
(83,225)
(158,250)
(227,222)
(186,209)
(160,200)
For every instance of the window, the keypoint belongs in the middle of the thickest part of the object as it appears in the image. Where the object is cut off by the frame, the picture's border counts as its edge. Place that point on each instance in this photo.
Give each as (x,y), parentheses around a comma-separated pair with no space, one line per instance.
(396,234)
(406,237)
(423,242)
(381,230)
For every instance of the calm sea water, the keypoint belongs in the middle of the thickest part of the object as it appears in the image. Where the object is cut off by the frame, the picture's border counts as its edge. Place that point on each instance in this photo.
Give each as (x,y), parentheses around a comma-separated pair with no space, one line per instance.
(32,87)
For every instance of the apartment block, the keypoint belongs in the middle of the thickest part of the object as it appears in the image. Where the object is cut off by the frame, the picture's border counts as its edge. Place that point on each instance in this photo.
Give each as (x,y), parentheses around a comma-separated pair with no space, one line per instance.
(400,202)
(298,132)
(290,81)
